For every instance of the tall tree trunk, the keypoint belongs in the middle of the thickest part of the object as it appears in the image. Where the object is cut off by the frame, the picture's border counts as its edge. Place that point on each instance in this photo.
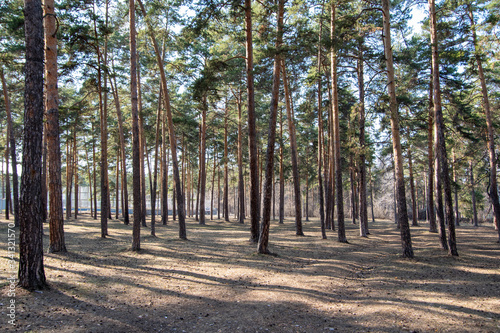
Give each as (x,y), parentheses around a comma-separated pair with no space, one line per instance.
(412,189)
(75,171)
(455,189)
(396,141)
(440,140)
(31,270)
(12,144)
(104,138)
(353,187)
(171,131)
(489,126)
(338,167)
(142,147)
(439,202)
(7,184)
(126,218)
(226,167)
(271,139)
(164,181)
(252,134)
(94,173)
(241,183)
(213,186)
(473,194)
(294,154)
(307,199)
(203,171)
(117,209)
(320,138)
(45,177)
(155,172)
(282,176)
(136,139)
(92,208)
(431,212)
(371,196)
(363,206)
(69,178)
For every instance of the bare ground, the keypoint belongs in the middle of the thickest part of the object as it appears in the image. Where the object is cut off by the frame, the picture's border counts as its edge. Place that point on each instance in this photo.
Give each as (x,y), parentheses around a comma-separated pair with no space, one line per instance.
(215,282)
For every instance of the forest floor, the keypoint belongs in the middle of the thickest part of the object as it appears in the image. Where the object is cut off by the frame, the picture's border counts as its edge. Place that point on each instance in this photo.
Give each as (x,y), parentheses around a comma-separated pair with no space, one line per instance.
(216,282)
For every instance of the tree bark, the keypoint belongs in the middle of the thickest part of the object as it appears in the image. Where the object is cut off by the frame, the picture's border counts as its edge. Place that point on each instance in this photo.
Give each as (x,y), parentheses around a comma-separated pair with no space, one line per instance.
(241,182)
(252,134)
(412,189)
(126,217)
(396,141)
(226,167)
(363,205)
(338,166)
(294,154)
(12,150)
(431,212)
(489,127)
(31,269)
(155,172)
(281,204)
(203,171)
(172,137)
(271,139)
(320,139)
(473,195)
(440,139)
(142,147)
(136,140)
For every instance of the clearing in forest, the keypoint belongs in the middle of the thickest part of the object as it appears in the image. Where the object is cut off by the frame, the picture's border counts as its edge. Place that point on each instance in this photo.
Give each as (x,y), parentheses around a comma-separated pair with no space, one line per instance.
(215,281)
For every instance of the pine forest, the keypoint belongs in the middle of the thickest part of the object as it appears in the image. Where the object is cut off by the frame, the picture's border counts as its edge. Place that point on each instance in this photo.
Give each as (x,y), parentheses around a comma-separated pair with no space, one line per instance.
(249,166)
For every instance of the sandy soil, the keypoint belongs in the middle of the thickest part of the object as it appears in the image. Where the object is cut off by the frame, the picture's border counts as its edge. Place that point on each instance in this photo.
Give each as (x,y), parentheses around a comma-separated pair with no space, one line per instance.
(215,282)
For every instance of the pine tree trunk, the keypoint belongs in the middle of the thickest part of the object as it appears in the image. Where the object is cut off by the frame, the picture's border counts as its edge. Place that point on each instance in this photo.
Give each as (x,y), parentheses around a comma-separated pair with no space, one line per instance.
(69,178)
(412,189)
(75,171)
(12,150)
(171,131)
(142,148)
(203,171)
(117,209)
(489,126)
(126,218)
(136,139)
(226,168)
(363,205)
(294,154)
(213,186)
(241,182)
(431,212)
(455,189)
(442,157)
(94,173)
(271,139)
(398,156)
(282,176)
(473,195)
(45,178)
(338,167)
(155,172)
(7,183)
(252,135)
(31,270)
(164,178)
(320,139)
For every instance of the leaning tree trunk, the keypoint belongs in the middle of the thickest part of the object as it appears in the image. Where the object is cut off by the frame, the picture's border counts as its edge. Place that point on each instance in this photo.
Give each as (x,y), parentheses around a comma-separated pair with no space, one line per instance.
(442,157)
(155,171)
(396,141)
(489,125)
(338,166)
(31,270)
(173,140)
(294,154)
(12,146)
(271,139)
(136,140)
